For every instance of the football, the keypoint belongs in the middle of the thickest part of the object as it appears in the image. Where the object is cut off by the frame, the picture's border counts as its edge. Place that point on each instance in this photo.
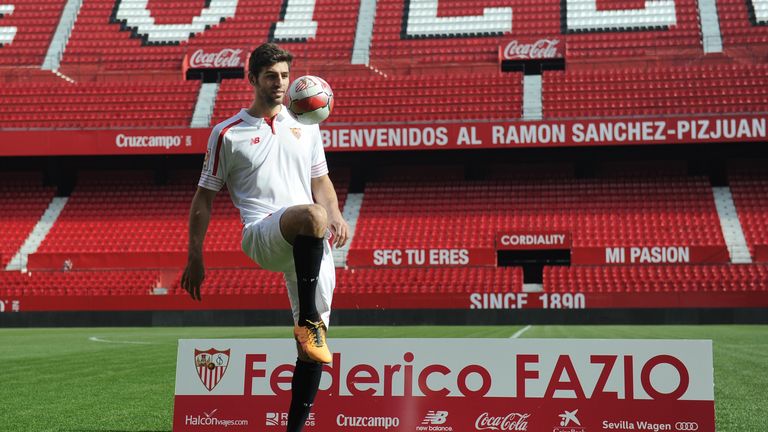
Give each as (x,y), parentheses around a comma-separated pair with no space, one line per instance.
(310,99)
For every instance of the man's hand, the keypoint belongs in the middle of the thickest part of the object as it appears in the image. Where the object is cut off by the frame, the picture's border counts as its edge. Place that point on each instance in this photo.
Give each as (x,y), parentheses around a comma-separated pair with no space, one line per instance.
(340,230)
(193,277)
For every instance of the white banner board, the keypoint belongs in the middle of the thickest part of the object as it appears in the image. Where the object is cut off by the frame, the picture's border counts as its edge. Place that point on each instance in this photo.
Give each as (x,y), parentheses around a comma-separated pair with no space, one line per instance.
(452,385)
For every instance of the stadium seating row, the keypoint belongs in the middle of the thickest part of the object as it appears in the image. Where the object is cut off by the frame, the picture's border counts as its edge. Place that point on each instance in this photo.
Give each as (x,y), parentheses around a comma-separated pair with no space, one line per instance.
(123,212)
(582,279)
(469,213)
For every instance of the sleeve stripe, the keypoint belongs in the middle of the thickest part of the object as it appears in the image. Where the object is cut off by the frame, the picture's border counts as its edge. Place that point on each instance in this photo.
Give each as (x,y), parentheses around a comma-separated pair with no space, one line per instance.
(319,172)
(319,169)
(223,132)
(210,182)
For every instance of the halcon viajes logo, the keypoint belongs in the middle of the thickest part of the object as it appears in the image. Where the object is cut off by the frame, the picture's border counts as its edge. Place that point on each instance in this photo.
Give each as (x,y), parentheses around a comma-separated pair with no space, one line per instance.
(211,419)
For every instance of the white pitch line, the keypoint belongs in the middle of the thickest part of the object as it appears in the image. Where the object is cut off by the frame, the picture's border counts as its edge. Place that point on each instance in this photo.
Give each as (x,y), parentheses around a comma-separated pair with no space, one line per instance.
(520,332)
(95,339)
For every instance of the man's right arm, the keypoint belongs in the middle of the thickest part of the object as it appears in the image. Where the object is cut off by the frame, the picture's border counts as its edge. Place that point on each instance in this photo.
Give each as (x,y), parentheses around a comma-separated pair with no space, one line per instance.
(199,217)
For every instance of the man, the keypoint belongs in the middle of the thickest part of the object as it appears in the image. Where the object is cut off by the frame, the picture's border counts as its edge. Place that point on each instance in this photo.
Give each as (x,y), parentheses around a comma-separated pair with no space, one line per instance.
(273,167)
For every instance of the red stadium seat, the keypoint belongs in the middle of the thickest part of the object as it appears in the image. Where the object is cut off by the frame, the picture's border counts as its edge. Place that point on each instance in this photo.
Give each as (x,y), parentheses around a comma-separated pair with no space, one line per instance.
(628,279)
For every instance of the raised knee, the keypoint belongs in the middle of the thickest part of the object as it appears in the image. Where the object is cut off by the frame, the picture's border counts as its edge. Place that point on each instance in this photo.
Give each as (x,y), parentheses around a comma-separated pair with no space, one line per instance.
(316,218)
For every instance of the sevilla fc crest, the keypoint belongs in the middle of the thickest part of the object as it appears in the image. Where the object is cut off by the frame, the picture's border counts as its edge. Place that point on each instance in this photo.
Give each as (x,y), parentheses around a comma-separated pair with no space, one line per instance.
(296,132)
(211,366)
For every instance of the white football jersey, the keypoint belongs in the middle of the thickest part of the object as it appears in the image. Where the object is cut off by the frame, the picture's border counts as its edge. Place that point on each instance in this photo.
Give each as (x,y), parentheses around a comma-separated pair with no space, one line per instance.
(266,166)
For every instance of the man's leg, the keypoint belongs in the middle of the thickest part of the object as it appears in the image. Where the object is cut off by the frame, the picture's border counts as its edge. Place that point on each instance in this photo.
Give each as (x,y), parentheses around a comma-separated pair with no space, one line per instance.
(304,227)
(304,385)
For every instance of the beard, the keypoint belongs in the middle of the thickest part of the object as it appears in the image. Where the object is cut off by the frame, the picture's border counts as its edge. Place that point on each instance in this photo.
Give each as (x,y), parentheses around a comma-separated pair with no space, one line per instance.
(268,99)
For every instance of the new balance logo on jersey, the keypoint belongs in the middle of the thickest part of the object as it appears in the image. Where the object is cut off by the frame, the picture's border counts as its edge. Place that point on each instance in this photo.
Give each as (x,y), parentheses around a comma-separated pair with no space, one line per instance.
(255,140)
(434,421)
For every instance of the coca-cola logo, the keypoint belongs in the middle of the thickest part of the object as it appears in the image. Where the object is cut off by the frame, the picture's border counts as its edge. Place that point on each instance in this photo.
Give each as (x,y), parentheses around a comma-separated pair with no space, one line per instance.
(226,58)
(509,422)
(541,49)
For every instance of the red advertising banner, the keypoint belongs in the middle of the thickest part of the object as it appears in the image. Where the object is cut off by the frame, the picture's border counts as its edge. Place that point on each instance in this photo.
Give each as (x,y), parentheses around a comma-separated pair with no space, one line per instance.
(432,257)
(210,58)
(563,133)
(532,240)
(650,255)
(559,385)
(532,49)
(383,301)
(448,136)
(103,142)
(607,300)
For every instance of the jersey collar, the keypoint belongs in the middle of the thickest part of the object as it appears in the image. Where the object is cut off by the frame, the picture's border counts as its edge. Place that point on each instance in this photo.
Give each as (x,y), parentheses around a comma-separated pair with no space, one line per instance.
(257,121)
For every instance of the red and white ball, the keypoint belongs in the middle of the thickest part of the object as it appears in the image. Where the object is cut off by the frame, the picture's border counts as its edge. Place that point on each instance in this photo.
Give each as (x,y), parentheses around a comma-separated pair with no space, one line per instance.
(310,99)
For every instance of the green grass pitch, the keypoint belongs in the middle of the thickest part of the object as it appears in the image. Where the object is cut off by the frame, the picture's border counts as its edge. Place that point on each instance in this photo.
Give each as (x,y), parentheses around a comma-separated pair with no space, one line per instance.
(62,380)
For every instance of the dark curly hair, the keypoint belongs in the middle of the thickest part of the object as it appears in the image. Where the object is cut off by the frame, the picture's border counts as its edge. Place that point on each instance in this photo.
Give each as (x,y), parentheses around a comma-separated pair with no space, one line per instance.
(266,55)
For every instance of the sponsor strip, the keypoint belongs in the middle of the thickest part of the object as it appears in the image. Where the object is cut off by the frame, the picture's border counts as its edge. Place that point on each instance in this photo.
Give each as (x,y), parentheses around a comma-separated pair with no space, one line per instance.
(533,49)
(441,257)
(519,134)
(669,254)
(451,415)
(532,240)
(225,58)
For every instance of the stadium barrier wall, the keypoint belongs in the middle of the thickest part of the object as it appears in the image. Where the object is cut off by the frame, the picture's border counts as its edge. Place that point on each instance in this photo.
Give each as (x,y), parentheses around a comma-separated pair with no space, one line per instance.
(458,257)
(516,301)
(398,136)
(395,257)
(392,317)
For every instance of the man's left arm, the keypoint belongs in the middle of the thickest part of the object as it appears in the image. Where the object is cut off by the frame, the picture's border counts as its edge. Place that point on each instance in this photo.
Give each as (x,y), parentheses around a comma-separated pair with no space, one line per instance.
(325,195)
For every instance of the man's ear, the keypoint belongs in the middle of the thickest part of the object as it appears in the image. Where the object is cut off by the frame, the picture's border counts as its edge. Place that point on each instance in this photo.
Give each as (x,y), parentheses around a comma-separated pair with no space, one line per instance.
(252,79)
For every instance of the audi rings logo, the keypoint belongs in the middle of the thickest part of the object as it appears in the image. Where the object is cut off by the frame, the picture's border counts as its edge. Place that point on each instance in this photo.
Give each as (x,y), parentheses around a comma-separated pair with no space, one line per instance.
(686,426)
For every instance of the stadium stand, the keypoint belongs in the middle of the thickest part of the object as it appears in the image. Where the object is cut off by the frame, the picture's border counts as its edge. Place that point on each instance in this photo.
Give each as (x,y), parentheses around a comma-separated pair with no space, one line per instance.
(23,199)
(656,279)
(97,104)
(79,283)
(126,212)
(127,220)
(742,30)
(253,288)
(34,22)
(372,281)
(599,212)
(656,91)
(749,185)
(423,98)
(113,40)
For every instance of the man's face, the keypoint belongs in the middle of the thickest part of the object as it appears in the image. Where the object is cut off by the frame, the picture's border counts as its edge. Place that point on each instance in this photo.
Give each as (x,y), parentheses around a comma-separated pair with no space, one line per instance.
(272,83)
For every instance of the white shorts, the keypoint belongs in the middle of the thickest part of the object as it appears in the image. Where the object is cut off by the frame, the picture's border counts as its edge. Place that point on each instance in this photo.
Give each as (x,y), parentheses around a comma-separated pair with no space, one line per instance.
(264,243)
